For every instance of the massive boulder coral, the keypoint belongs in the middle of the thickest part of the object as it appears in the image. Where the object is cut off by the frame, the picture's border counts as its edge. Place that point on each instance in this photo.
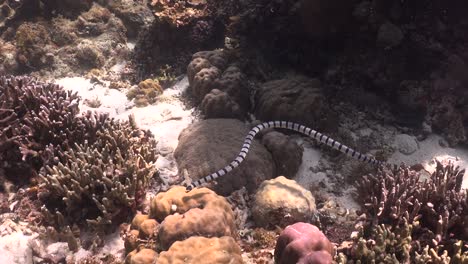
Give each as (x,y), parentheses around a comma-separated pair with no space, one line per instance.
(107,175)
(209,72)
(209,145)
(303,243)
(280,202)
(285,151)
(218,104)
(216,250)
(199,212)
(177,216)
(296,98)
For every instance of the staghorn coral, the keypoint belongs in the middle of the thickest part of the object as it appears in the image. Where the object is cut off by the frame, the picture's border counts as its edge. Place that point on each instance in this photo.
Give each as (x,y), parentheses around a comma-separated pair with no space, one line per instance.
(384,245)
(36,119)
(100,181)
(303,243)
(280,202)
(196,249)
(411,221)
(438,203)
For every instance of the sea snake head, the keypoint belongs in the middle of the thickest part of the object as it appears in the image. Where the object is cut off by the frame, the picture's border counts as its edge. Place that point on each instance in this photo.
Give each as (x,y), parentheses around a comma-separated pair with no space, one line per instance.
(189,188)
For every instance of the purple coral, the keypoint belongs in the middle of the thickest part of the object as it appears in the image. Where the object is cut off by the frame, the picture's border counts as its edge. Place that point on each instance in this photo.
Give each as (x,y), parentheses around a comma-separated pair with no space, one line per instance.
(303,243)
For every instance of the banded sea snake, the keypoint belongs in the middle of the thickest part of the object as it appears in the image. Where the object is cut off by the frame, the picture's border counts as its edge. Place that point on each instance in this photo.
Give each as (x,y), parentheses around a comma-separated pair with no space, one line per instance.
(286,125)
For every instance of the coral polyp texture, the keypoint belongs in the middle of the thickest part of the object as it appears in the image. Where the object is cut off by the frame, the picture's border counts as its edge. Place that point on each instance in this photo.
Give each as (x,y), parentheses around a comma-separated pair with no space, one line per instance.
(103,179)
(181,223)
(303,243)
(197,249)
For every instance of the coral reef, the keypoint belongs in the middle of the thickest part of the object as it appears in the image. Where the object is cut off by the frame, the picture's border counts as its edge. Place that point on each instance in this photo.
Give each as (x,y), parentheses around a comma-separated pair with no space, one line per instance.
(218,141)
(135,15)
(203,250)
(289,98)
(281,202)
(32,41)
(180,28)
(57,45)
(303,243)
(438,203)
(142,256)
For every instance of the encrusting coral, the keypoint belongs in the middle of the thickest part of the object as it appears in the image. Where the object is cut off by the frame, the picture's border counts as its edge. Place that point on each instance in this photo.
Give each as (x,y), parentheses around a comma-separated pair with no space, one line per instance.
(145,93)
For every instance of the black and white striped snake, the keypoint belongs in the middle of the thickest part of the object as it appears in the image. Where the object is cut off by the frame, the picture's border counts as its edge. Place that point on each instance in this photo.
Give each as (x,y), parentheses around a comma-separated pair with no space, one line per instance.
(286,125)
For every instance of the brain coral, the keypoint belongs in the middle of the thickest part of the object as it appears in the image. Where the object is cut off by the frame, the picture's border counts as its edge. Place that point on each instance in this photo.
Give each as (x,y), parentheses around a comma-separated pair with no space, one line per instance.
(210,144)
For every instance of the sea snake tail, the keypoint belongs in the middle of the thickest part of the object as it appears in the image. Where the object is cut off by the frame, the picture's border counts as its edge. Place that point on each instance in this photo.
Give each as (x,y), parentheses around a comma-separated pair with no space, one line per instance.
(287,125)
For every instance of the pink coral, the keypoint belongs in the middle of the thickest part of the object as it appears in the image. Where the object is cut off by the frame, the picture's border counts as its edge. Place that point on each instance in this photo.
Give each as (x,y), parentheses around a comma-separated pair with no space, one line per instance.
(303,243)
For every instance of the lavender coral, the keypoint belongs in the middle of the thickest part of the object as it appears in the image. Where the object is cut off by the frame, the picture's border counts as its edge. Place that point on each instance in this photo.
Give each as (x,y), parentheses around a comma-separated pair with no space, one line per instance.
(36,118)
(410,220)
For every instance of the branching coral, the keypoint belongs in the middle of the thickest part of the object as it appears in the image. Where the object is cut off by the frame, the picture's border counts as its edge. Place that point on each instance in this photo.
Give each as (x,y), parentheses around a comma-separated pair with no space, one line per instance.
(409,220)
(35,119)
(101,181)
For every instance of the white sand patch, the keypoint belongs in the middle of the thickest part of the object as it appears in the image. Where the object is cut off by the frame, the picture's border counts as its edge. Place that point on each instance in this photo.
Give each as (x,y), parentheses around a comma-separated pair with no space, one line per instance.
(113,245)
(15,249)
(430,149)
(112,101)
(310,176)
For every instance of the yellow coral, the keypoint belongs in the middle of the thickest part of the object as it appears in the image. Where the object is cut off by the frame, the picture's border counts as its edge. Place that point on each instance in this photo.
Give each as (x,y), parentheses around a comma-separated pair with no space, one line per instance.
(203,250)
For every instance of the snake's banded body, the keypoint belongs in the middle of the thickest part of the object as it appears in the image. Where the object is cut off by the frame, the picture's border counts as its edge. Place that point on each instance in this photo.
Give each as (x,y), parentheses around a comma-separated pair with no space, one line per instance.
(286,125)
